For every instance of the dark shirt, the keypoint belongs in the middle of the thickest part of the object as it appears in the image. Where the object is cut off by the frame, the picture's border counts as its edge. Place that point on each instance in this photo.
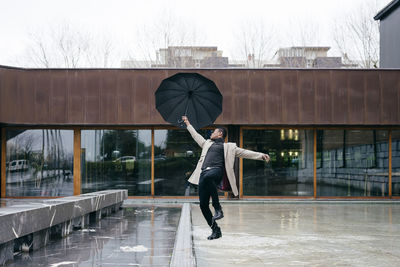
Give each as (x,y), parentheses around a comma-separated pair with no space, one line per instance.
(215,155)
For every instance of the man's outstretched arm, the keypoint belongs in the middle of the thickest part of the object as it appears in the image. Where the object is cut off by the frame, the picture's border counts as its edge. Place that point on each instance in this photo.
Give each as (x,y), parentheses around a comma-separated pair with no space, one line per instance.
(248,154)
(196,136)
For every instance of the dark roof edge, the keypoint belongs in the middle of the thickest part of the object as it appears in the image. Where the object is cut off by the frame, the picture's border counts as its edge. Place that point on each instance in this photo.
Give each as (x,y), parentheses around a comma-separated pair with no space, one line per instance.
(10,67)
(197,69)
(387,10)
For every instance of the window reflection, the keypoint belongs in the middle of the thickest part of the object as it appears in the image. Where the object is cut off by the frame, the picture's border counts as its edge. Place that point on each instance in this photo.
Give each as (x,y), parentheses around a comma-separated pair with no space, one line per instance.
(39,162)
(352,163)
(290,171)
(176,156)
(116,159)
(396,163)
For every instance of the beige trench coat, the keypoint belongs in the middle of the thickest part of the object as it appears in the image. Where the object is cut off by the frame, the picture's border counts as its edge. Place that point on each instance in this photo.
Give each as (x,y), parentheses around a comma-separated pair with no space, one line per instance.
(230,151)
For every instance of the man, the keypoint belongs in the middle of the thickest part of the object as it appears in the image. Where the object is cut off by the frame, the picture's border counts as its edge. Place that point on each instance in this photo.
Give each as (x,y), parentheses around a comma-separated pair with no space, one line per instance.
(217,157)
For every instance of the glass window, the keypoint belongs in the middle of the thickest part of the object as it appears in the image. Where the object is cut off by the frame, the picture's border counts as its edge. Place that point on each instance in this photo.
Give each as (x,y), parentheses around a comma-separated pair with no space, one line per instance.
(290,171)
(116,159)
(396,163)
(176,156)
(352,163)
(39,162)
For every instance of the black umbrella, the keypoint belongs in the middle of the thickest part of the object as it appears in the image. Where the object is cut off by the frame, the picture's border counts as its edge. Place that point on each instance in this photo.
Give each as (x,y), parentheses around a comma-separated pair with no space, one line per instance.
(189,94)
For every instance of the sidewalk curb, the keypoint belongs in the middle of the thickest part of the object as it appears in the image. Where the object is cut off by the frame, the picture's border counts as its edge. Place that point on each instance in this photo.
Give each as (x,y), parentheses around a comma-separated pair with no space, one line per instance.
(183,254)
(265,201)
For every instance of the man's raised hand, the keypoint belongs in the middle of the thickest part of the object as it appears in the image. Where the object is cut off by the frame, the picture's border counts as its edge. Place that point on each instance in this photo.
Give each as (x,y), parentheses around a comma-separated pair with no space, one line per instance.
(266,157)
(186,120)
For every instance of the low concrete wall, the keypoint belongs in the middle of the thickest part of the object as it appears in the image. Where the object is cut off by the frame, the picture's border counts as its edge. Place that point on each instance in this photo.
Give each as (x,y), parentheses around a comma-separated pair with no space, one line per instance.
(31,225)
(183,255)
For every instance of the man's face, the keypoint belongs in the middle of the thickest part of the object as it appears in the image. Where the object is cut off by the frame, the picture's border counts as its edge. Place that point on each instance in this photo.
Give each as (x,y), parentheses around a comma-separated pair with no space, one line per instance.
(216,134)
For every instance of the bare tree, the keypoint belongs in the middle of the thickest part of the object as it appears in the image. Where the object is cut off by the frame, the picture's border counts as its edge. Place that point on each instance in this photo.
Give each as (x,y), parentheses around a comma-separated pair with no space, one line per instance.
(356,35)
(27,143)
(305,32)
(296,42)
(102,52)
(65,46)
(255,42)
(169,30)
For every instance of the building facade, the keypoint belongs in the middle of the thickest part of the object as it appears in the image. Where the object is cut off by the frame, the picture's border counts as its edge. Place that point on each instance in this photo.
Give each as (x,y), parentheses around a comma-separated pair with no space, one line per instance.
(183,57)
(330,133)
(307,57)
(389,18)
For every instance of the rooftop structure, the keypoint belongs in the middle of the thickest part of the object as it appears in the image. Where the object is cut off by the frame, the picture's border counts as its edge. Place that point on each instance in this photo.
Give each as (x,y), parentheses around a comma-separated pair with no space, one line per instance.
(183,57)
(307,57)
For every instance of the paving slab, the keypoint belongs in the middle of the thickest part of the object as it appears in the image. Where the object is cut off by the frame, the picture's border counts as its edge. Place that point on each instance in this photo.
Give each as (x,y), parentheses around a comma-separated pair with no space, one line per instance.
(320,234)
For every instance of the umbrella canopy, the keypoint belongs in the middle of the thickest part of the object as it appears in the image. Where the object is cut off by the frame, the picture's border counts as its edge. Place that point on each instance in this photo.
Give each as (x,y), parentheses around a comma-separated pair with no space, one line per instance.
(189,94)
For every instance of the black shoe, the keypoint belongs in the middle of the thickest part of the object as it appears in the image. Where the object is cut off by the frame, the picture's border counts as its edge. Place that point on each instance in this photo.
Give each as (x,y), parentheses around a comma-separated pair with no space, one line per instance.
(216,232)
(218,215)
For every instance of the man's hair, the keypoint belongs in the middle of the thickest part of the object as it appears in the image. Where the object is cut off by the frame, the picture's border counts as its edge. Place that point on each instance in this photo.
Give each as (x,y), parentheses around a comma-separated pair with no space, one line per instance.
(223,131)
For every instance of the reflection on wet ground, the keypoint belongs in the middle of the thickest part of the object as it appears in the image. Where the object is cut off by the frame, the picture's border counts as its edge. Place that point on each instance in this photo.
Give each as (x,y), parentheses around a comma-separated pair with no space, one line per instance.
(319,234)
(29,183)
(140,235)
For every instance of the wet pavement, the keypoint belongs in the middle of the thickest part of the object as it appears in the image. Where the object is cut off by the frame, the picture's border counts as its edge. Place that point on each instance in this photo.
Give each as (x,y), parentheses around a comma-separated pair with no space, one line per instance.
(254,234)
(320,234)
(137,235)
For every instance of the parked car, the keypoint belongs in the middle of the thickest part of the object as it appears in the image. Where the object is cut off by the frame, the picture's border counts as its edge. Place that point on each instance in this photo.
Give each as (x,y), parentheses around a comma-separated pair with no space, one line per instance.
(127,162)
(159,158)
(126,159)
(18,165)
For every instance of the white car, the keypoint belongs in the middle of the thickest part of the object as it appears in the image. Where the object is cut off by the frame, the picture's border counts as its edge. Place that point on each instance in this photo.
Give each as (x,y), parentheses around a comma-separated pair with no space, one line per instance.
(126,159)
(18,165)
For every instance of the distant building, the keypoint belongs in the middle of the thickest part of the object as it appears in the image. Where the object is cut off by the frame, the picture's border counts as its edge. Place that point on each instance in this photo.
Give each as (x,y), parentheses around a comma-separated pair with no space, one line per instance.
(235,63)
(135,64)
(307,57)
(183,57)
(389,29)
(190,57)
(210,57)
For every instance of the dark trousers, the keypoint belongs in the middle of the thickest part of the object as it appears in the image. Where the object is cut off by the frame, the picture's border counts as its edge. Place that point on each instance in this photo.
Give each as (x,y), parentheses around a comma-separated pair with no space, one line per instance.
(209,179)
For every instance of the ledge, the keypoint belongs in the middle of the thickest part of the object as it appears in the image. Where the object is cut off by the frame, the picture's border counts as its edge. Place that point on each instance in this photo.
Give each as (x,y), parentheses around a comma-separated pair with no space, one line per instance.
(183,255)
(29,226)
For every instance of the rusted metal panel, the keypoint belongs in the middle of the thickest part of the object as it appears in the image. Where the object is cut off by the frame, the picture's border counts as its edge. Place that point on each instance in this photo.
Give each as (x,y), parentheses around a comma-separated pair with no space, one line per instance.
(323,97)
(224,84)
(91,91)
(42,96)
(9,97)
(2,92)
(290,97)
(142,98)
(273,97)
(256,97)
(339,97)
(25,96)
(155,79)
(124,96)
(224,80)
(390,96)
(59,96)
(240,90)
(372,97)
(356,95)
(251,97)
(306,90)
(76,105)
(108,98)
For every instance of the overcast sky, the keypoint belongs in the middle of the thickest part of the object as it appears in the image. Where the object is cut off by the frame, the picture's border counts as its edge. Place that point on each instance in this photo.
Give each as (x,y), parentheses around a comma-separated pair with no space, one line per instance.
(215,20)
